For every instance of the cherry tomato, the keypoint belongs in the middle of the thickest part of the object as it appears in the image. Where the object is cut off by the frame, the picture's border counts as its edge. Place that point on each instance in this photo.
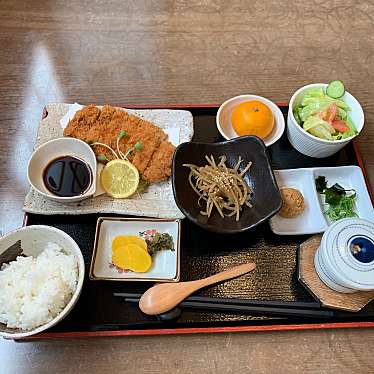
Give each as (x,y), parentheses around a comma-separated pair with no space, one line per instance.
(340,125)
(329,113)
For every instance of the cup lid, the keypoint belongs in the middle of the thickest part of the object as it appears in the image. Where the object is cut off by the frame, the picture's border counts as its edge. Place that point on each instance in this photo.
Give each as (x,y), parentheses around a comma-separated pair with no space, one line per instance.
(348,247)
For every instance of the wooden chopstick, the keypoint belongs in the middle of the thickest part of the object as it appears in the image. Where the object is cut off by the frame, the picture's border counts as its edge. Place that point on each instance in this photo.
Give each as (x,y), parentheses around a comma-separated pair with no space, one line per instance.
(235,301)
(11,253)
(255,309)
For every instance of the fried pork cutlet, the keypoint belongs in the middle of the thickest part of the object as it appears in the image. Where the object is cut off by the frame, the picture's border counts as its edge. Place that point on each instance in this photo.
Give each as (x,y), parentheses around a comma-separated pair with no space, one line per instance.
(153,160)
(159,167)
(106,114)
(137,129)
(82,123)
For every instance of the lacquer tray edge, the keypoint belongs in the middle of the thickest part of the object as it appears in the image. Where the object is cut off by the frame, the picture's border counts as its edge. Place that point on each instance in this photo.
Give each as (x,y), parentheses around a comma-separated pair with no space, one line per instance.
(203,330)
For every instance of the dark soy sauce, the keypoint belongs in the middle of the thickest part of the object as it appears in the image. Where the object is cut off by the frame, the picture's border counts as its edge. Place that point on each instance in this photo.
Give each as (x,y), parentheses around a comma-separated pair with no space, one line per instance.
(67,176)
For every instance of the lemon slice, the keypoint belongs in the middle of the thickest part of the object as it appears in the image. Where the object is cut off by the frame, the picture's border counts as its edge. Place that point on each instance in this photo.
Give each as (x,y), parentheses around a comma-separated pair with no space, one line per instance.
(119,178)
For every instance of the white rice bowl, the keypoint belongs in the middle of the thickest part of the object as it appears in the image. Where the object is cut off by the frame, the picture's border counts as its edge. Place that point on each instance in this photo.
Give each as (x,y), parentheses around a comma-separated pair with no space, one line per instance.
(35,290)
(39,290)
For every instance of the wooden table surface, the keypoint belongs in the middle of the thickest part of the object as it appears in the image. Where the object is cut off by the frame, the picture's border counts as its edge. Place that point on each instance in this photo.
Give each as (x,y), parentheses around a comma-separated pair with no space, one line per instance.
(176,52)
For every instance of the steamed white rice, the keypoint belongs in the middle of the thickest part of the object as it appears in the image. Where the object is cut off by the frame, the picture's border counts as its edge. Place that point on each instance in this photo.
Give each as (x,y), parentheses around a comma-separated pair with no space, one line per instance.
(34,290)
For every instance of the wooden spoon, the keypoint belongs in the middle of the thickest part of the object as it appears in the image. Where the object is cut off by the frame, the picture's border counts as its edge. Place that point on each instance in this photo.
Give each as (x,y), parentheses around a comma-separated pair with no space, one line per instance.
(163,297)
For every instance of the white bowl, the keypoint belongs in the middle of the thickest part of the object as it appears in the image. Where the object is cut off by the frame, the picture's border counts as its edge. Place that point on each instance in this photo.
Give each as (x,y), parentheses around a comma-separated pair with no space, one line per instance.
(224,124)
(57,148)
(310,145)
(33,240)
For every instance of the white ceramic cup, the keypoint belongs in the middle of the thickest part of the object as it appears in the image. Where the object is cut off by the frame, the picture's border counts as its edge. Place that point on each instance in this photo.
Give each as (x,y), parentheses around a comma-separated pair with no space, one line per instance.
(310,145)
(53,149)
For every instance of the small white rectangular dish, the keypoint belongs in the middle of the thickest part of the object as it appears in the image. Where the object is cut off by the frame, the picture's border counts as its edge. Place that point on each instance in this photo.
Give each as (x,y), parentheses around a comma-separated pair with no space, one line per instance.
(313,220)
(165,264)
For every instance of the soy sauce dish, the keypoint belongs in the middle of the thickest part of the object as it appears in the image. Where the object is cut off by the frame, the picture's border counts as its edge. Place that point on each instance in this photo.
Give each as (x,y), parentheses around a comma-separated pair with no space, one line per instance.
(63,170)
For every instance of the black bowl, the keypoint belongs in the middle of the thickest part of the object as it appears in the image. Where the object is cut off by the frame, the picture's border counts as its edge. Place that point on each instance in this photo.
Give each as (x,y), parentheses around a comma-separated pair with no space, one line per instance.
(266,199)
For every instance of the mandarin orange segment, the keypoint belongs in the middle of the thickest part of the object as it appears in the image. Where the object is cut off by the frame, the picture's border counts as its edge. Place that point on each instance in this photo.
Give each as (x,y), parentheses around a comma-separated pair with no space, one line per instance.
(253,118)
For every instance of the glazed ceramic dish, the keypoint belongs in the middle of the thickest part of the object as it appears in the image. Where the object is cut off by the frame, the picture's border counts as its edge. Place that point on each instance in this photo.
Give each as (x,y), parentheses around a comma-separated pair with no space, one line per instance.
(266,198)
(53,149)
(313,220)
(33,240)
(310,145)
(345,258)
(165,264)
(224,124)
(178,124)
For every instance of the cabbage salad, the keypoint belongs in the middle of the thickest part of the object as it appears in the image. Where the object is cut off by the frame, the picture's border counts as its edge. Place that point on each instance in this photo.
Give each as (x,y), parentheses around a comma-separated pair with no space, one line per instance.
(324,115)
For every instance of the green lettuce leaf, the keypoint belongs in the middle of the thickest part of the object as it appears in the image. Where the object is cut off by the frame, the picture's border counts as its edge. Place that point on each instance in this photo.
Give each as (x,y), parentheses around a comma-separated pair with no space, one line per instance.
(314,121)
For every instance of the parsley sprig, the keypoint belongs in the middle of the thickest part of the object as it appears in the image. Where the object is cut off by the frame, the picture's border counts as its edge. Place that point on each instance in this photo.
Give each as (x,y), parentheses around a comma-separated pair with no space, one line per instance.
(341,202)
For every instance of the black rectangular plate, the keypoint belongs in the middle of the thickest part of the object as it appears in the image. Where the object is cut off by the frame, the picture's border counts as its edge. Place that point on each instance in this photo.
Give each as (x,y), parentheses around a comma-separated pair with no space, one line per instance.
(202,254)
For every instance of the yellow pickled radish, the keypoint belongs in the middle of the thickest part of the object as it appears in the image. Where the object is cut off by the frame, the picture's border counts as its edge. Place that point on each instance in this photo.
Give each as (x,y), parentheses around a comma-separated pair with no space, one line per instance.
(120,258)
(123,240)
(132,257)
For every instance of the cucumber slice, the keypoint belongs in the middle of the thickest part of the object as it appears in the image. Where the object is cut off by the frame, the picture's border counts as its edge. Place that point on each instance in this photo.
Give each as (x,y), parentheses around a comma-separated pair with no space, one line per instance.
(335,89)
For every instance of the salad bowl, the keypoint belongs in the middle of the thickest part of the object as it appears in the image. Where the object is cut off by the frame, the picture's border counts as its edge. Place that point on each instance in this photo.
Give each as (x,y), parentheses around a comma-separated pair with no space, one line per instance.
(310,145)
